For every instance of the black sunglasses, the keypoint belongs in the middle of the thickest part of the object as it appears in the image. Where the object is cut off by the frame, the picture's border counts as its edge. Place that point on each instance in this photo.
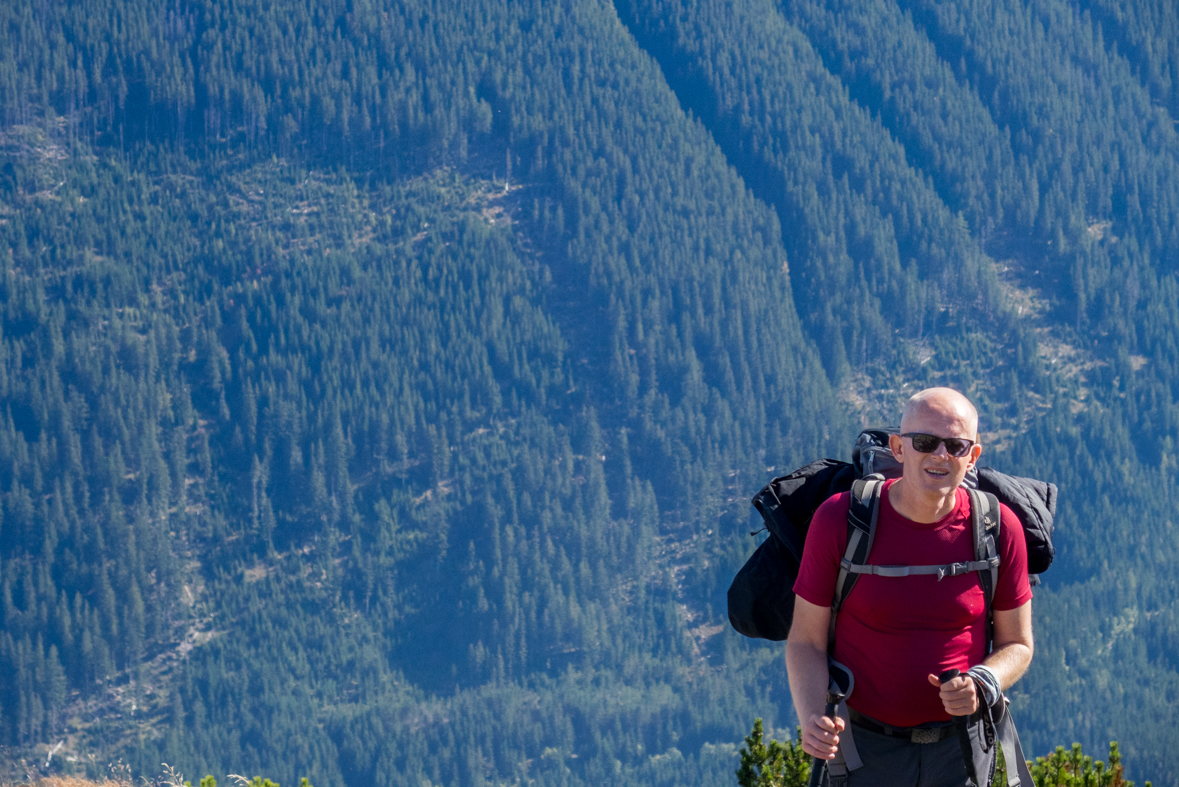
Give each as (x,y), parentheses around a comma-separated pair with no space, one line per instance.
(927,443)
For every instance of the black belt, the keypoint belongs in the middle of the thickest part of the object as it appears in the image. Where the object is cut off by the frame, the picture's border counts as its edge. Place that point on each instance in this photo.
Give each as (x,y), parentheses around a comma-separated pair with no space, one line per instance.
(934,732)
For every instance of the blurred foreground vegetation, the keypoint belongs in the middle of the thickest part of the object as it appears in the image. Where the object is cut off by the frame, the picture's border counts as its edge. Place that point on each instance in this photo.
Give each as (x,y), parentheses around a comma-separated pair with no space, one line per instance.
(775,764)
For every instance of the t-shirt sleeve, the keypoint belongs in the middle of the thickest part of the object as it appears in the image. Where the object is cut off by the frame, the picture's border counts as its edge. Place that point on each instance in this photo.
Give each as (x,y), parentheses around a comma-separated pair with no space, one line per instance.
(826,541)
(1014,590)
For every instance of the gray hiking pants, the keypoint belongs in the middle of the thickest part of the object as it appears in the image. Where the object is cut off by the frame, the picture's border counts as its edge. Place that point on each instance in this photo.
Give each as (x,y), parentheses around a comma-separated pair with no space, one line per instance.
(898,762)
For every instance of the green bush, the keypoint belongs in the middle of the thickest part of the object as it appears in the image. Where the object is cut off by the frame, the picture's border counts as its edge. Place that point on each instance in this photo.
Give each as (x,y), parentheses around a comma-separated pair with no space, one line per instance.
(1073,769)
(257,781)
(775,764)
(772,765)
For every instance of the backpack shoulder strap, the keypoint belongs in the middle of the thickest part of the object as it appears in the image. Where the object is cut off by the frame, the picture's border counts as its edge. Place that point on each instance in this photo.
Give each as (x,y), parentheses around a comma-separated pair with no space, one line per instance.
(984,521)
(861,530)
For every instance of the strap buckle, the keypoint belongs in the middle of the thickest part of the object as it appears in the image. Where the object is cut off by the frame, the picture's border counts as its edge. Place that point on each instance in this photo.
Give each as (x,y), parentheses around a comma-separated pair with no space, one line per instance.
(952,570)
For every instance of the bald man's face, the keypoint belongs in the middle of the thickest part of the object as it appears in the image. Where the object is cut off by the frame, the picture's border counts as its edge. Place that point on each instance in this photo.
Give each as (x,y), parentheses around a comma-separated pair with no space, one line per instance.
(937,473)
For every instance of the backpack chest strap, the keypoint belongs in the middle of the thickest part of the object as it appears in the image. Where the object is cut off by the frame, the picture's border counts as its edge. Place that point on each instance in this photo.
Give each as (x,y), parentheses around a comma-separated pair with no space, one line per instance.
(950,570)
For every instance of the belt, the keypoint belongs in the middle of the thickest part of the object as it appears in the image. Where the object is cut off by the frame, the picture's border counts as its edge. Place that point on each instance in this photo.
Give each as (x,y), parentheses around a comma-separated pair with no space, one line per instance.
(934,732)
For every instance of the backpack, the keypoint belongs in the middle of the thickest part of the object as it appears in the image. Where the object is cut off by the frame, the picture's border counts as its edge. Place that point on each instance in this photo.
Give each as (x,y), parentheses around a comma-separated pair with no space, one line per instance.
(761,597)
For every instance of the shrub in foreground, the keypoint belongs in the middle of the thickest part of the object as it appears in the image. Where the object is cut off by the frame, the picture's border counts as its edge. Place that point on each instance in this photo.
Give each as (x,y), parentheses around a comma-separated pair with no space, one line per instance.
(775,764)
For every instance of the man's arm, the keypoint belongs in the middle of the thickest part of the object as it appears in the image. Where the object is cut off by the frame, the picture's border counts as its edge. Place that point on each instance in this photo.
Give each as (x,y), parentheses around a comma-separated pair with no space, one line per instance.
(1009,660)
(1014,644)
(806,666)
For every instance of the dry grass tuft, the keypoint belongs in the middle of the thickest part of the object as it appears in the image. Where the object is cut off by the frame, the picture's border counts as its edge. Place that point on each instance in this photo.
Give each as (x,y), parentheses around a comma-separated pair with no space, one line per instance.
(120,776)
(72,781)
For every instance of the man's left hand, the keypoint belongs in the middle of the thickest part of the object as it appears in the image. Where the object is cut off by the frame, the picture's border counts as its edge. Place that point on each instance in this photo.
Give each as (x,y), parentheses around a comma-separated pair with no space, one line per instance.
(959,696)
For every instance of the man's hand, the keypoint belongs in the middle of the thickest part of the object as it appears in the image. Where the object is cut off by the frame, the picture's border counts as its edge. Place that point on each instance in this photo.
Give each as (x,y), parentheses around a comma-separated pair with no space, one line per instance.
(959,695)
(820,736)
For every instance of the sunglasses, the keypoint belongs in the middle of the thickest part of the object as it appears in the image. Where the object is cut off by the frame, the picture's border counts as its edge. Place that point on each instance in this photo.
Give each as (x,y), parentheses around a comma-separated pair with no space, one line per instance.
(927,443)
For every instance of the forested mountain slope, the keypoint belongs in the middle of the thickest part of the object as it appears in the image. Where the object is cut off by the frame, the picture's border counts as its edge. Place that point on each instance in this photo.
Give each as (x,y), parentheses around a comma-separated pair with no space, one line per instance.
(384,384)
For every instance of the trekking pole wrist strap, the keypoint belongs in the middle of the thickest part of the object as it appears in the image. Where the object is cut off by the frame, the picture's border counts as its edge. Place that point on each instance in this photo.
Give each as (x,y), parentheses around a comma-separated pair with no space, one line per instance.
(988,684)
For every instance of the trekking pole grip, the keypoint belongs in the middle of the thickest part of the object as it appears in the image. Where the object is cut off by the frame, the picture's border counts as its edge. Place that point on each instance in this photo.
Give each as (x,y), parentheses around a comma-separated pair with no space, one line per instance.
(948,676)
(820,765)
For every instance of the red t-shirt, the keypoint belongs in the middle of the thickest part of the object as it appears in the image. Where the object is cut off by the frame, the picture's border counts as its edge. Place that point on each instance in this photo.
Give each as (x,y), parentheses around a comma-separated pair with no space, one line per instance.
(894,631)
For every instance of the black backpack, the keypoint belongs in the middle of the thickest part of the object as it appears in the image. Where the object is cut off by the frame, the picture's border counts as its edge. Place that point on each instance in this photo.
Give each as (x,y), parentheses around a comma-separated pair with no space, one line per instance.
(761,598)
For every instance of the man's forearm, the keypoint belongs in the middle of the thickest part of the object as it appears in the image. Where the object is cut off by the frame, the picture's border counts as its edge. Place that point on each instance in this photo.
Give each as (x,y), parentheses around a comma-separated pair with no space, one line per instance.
(1014,645)
(806,668)
(1009,663)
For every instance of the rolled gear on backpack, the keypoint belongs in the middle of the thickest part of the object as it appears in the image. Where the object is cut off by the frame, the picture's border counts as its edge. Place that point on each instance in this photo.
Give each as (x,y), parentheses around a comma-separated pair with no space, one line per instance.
(1034,504)
(761,597)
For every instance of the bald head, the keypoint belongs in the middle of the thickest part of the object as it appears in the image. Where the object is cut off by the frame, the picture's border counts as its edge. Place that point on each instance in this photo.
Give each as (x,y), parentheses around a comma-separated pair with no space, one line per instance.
(943,402)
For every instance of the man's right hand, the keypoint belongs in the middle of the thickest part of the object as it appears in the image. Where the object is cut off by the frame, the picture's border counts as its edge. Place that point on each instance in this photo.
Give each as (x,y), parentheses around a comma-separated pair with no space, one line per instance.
(820,736)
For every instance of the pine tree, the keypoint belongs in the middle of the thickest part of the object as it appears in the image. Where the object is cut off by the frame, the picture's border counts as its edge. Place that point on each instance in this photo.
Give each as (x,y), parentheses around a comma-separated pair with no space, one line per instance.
(772,764)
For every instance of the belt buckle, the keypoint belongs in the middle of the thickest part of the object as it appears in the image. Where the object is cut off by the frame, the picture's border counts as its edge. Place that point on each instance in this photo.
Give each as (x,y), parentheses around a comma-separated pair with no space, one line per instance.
(925,735)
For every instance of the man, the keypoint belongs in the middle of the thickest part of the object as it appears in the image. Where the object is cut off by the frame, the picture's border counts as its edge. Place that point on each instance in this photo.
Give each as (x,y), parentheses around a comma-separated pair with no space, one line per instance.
(898,634)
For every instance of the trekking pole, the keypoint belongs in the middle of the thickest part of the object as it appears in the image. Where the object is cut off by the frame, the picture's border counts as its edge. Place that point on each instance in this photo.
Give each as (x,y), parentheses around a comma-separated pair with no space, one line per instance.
(820,765)
(961,723)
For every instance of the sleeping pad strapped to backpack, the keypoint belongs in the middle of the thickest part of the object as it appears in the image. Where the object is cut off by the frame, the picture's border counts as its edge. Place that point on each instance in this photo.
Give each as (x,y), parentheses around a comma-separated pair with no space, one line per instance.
(761,598)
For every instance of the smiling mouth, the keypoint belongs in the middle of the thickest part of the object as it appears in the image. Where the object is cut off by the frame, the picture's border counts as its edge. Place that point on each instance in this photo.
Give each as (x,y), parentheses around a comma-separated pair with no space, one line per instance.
(937,473)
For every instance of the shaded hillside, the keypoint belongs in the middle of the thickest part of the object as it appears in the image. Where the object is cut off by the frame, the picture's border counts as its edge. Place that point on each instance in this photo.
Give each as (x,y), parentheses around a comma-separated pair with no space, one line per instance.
(384,387)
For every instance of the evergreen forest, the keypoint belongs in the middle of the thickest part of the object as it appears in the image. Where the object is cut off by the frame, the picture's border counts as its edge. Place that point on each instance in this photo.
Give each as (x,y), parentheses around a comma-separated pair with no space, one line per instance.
(383,383)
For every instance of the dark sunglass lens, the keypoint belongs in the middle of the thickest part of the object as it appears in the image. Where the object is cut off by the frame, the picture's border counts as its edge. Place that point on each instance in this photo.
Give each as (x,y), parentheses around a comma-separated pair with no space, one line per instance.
(956,447)
(925,443)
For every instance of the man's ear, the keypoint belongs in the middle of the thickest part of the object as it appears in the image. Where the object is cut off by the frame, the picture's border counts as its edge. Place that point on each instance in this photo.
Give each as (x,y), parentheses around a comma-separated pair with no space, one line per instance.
(975,452)
(897,444)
